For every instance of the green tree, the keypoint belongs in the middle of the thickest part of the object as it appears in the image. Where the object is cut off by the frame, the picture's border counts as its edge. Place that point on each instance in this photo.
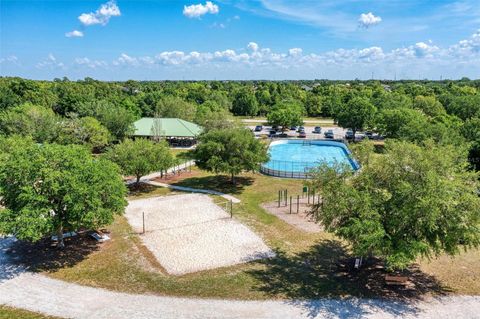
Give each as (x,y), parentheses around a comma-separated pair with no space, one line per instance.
(140,157)
(356,115)
(118,120)
(409,202)
(50,188)
(30,120)
(245,103)
(174,107)
(84,131)
(286,114)
(229,151)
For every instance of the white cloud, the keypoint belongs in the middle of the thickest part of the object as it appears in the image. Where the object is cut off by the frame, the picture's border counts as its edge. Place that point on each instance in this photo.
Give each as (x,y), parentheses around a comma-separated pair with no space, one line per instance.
(50,62)
(92,64)
(11,59)
(125,59)
(252,46)
(367,20)
(74,34)
(467,47)
(198,10)
(101,15)
(295,52)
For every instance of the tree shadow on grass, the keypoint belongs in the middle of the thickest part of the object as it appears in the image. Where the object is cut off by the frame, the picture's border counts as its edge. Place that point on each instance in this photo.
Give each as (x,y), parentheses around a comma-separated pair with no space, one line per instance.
(319,279)
(141,189)
(219,183)
(45,256)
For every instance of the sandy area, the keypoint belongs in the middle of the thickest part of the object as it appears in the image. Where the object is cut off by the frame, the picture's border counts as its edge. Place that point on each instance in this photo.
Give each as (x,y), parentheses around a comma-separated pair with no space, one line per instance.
(300,220)
(189,233)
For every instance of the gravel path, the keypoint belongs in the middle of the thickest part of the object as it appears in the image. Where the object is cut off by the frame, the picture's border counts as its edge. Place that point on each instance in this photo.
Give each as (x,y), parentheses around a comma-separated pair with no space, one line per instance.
(148,179)
(38,293)
(189,233)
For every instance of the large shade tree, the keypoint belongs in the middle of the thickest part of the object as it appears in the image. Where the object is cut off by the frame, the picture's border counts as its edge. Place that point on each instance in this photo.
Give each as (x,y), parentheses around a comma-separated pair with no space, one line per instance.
(230,151)
(285,114)
(140,157)
(357,114)
(48,189)
(409,202)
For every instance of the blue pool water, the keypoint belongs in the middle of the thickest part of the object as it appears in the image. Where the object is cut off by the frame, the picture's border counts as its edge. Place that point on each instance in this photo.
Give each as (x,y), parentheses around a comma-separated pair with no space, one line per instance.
(303,155)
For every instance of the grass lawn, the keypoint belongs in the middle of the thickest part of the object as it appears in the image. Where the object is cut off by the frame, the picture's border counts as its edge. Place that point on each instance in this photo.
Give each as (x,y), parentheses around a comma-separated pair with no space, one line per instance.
(10,313)
(307,265)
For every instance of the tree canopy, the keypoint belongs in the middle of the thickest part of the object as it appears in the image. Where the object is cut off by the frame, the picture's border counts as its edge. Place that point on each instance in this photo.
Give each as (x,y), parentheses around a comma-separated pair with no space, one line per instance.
(140,157)
(356,114)
(50,188)
(230,151)
(286,114)
(408,202)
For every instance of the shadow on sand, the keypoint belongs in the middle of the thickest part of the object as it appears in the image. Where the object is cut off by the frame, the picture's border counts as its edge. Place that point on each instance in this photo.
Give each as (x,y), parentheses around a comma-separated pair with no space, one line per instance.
(317,279)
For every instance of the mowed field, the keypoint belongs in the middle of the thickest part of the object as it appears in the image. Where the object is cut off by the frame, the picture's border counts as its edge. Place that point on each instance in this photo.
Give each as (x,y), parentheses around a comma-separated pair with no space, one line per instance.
(307,265)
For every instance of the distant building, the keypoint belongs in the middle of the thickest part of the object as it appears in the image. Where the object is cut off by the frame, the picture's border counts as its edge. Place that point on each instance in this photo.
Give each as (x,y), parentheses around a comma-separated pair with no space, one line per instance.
(176,132)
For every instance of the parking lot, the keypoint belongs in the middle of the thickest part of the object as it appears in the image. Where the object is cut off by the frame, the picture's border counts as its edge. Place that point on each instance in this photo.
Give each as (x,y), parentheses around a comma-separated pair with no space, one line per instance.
(338,132)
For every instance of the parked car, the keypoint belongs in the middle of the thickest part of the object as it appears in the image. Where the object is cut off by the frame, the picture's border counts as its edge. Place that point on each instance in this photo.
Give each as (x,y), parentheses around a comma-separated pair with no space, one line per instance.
(329,134)
(349,135)
(258,128)
(369,135)
(272,133)
(293,128)
(301,129)
(302,134)
(317,130)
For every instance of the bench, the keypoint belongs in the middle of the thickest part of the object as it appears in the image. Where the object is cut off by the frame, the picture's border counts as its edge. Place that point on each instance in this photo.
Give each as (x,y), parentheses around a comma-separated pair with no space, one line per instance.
(396,280)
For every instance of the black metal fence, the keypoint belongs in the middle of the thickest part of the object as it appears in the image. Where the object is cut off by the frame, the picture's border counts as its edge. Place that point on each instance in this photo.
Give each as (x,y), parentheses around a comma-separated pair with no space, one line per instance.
(288,169)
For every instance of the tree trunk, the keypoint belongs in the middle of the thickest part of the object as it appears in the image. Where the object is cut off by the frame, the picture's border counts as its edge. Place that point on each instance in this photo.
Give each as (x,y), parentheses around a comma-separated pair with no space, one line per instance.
(138,179)
(354,132)
(234,182)
(60,242)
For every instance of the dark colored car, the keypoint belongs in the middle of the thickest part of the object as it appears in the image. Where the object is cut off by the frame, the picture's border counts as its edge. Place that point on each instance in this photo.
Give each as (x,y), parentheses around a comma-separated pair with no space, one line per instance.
(301,129)
(369,135)
(293,128)
(328,134)
(317,130)
(258,128)
(302,134)
(349,135)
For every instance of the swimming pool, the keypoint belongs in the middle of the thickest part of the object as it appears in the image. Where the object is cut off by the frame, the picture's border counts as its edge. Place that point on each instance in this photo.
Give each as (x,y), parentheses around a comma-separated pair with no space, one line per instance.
(295,158)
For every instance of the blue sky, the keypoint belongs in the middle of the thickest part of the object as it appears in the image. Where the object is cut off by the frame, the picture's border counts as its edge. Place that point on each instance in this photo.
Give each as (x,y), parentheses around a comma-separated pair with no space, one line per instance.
(244,39)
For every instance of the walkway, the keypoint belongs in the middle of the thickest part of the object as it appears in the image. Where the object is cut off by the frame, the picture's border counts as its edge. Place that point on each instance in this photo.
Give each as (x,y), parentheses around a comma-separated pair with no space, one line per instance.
(148,179)
(38,293)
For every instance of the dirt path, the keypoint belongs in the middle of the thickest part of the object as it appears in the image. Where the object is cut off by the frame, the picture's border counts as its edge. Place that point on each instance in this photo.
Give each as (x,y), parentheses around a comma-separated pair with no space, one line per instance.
(34,292)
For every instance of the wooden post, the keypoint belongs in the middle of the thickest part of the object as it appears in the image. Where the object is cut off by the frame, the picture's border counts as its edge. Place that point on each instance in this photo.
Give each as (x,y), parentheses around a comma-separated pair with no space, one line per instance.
(290,204)
(308,196)
(143,219)
(286,197)
(231,209)
(279,197)
(298,202)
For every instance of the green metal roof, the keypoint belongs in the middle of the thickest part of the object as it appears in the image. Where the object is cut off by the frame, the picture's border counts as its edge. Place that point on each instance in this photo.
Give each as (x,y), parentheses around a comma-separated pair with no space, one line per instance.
(149,126)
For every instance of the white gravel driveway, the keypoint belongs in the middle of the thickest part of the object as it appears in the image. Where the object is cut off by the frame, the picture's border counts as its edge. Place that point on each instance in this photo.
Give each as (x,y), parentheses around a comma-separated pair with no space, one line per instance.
(189,233)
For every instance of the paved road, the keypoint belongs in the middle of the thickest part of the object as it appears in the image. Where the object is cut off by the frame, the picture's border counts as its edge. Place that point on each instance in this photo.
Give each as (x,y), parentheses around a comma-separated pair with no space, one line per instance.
(35,292)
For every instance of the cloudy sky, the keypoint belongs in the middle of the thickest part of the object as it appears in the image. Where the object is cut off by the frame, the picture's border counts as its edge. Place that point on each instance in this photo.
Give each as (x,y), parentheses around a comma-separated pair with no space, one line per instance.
(244,39)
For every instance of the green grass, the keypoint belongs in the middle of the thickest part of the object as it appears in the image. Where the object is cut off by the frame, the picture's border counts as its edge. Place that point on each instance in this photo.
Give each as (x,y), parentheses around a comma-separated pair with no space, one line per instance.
(307,265)
(11,313)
